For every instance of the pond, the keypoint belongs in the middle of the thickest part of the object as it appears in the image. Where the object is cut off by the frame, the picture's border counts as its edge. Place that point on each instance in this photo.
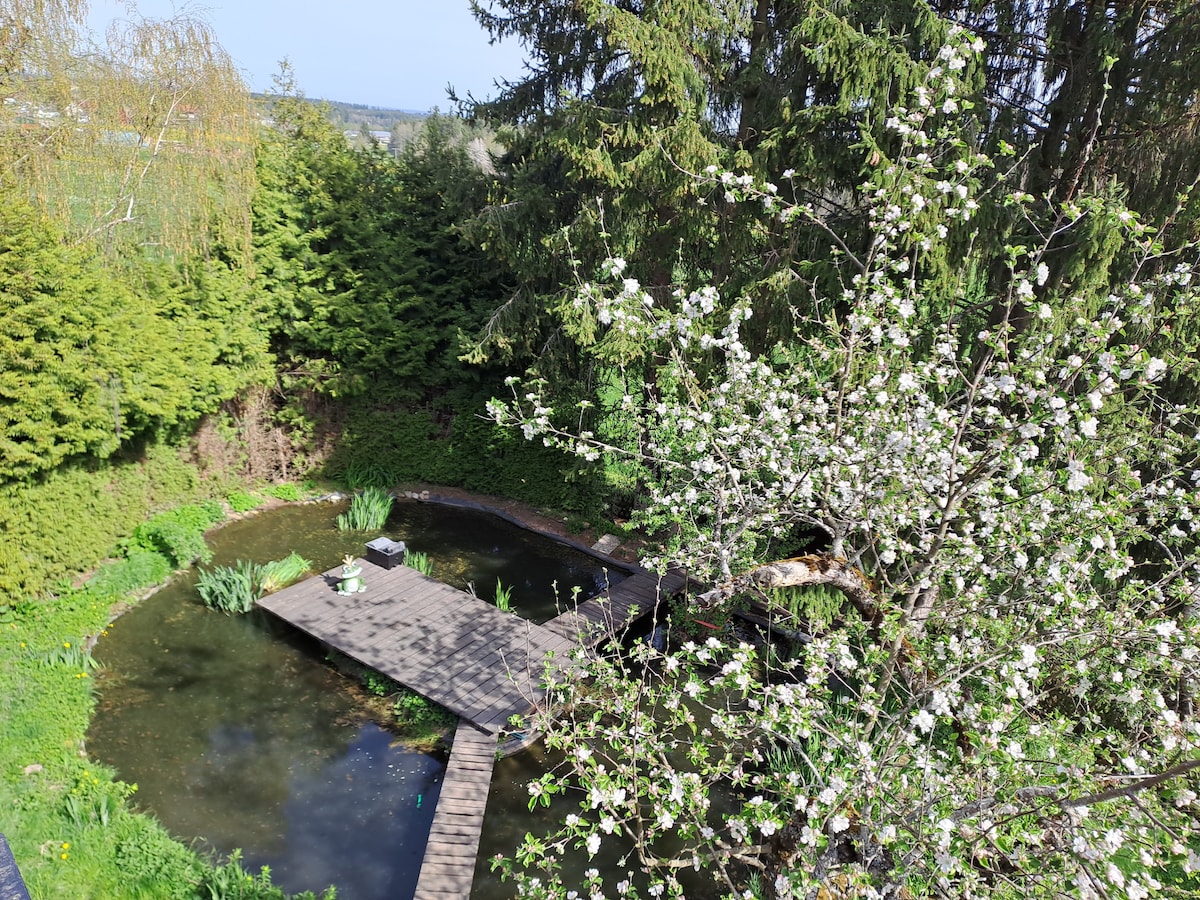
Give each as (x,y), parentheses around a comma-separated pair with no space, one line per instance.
(239,735)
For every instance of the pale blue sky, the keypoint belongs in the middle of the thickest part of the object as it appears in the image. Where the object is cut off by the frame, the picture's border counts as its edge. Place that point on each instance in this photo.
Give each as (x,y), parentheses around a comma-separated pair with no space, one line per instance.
(391,53)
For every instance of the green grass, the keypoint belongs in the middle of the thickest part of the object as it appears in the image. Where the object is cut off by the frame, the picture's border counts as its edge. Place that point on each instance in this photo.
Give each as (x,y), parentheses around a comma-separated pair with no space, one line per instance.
(234,589)
(68,820)
(287,491)
(503,597)
(278,574)
(240,501)
(230,589)
(419,561)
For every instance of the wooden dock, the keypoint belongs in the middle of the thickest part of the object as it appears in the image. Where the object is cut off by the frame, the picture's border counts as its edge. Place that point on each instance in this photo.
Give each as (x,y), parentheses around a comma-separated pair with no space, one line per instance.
(480,663)
(611,611)
(449,864)
(483,664)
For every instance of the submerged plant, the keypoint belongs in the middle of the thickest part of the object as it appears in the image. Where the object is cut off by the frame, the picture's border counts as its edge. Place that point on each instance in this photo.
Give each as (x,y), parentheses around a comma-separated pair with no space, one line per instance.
(368,511)
(419,561)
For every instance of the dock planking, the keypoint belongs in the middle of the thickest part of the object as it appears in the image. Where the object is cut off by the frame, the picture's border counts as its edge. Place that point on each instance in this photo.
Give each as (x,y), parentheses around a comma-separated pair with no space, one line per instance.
(483,664)
(609,612)
(477,661)
(449,865)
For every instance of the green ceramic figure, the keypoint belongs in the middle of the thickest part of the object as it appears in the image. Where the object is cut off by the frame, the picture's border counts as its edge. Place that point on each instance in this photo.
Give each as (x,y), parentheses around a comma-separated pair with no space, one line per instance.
(351,582)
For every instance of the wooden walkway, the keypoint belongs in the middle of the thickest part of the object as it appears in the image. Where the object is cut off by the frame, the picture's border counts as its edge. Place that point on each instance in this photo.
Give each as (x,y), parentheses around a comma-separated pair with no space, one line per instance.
(482,664)
(449,865)
(610,611)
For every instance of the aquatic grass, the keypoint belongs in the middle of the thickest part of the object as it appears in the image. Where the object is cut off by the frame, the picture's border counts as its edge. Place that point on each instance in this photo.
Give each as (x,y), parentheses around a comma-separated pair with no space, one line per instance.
(503,597)
(280,573)
(234,589)
(231,589)
(419,561)
(369,510)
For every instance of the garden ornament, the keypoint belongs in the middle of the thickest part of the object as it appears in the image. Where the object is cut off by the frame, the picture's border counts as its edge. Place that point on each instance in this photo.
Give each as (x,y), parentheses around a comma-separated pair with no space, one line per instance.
(352,582)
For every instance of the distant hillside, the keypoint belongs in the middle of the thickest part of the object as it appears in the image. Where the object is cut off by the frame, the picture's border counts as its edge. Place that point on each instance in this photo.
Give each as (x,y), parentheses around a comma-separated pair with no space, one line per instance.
(357,116)
(396,128)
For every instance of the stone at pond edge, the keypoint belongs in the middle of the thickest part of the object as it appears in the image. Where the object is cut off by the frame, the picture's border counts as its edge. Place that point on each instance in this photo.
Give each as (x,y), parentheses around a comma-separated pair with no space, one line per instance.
(607,544)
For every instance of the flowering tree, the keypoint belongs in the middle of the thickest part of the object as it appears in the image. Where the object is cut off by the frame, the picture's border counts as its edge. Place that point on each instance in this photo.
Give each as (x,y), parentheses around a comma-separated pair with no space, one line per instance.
(1002,705)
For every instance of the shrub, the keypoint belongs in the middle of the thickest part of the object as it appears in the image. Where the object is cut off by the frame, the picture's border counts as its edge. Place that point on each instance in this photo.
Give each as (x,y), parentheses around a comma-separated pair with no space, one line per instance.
(415,713)
(360,473)
(289,492)
(75,516)
(240,501)
(368,511)
(378,684)
(178,534)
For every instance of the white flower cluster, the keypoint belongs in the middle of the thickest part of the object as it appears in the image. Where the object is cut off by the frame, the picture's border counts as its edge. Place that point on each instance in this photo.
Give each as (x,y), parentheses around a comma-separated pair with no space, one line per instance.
(1022,505)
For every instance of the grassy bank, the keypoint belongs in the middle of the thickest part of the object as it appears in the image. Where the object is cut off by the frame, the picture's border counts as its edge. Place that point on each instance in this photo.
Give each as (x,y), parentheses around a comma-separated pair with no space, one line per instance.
(73,827)
(71,824)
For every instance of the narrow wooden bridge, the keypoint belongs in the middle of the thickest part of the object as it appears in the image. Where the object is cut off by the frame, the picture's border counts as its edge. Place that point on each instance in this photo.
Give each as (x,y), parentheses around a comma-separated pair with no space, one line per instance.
(449,865)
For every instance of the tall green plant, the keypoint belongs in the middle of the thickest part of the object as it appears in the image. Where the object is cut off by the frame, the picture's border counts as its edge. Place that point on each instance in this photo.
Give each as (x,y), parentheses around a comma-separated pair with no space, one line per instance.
(231,589)
(234,589)
(419,561)
(368,511)
(280,573)
(503,597)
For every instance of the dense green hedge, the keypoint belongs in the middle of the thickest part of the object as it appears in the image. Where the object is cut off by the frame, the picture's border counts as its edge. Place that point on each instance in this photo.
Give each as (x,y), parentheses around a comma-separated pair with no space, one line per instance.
(74,516)
(390,447)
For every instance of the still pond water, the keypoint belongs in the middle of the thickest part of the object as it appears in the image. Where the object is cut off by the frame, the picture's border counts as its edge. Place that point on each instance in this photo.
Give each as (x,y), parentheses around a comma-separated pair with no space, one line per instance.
(238,734)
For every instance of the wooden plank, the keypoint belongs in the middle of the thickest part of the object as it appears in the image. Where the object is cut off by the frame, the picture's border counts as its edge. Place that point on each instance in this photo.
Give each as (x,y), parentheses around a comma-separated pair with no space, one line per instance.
(448,868)
(444,843)
(481,663)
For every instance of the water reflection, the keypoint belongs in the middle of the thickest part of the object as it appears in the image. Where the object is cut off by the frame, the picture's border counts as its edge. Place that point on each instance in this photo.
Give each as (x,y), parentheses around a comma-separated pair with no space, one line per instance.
(239,736)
